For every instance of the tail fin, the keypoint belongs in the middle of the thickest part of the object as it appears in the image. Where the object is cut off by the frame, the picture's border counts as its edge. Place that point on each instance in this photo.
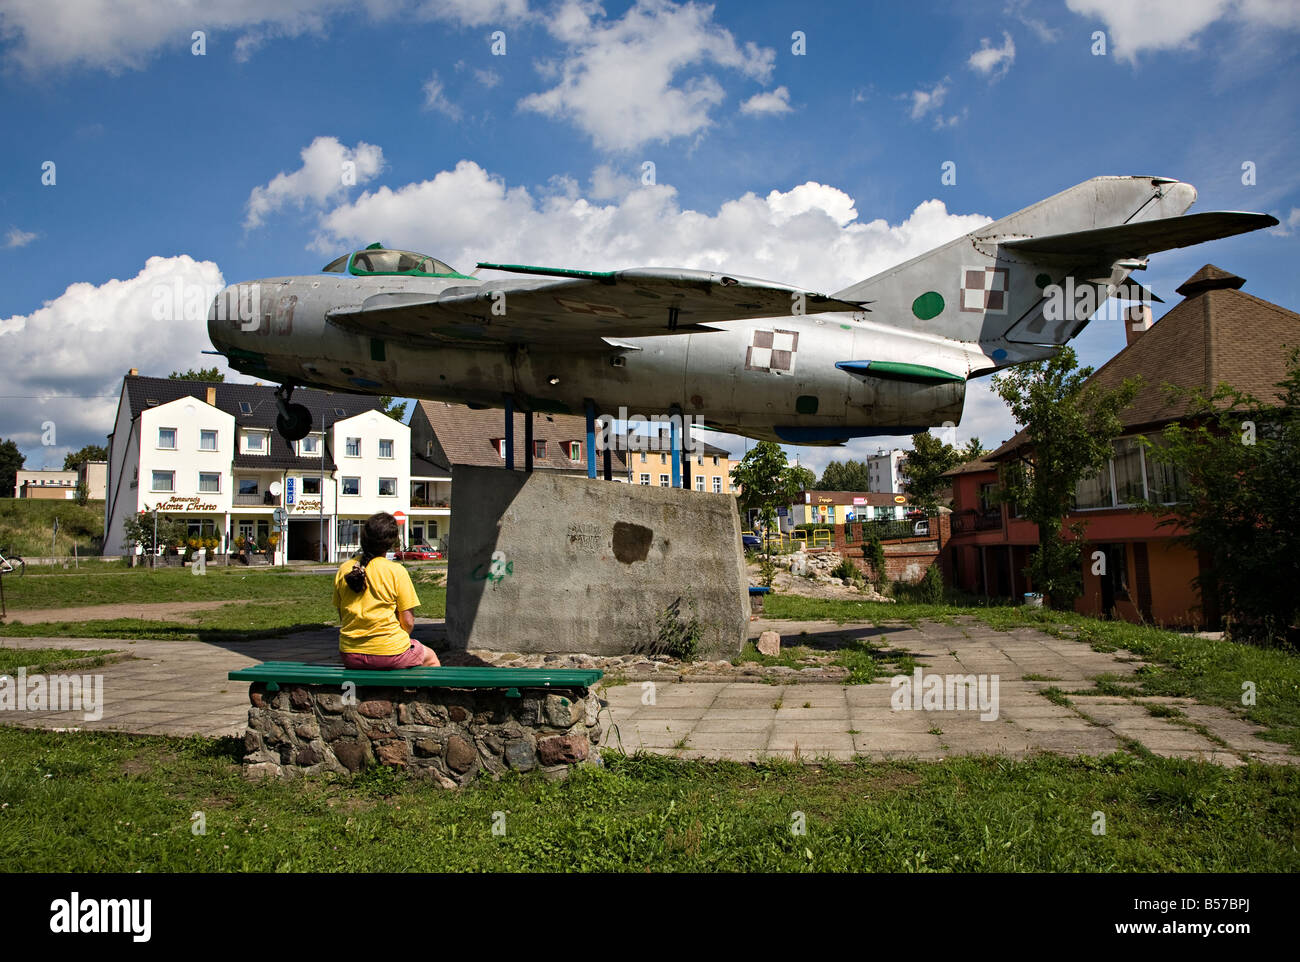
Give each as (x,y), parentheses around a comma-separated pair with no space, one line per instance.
(990,285)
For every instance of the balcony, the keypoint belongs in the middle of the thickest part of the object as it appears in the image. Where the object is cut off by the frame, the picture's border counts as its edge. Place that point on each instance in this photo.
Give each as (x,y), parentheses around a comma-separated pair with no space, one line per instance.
(264,500)
(972,520)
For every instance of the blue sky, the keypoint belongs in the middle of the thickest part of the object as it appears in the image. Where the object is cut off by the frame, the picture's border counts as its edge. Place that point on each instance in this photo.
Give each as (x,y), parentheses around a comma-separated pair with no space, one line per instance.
(819,168)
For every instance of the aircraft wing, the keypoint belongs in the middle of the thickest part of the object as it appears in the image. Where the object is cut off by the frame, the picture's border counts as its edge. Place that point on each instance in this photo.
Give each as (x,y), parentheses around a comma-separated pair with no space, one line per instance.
(1145,236)
(576,310)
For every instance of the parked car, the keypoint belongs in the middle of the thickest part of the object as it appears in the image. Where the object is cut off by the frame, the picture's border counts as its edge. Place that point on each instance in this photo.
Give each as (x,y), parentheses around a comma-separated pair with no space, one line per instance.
(921,527)
(751,542)
(420,552)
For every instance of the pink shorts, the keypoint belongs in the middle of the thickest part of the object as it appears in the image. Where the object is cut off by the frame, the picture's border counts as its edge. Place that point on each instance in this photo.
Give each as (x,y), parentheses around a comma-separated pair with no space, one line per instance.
(413,657)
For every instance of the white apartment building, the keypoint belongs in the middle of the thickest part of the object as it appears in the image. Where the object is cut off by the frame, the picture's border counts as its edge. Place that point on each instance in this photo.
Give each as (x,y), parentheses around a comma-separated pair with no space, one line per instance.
(885,471)
(208,454)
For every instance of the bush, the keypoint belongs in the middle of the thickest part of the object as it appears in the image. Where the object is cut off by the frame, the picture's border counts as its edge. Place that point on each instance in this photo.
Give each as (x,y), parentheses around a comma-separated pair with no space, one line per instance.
(847,570)
(874,552)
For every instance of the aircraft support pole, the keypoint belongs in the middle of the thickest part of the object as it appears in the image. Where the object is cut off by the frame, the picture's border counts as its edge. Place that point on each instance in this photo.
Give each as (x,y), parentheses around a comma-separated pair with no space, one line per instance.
(609,465)
(686,453)
(674,428)
(591,438)
(510,434)
(528,442)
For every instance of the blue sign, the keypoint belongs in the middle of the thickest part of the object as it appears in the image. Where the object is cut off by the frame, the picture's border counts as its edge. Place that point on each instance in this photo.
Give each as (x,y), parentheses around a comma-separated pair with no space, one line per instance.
(288,494)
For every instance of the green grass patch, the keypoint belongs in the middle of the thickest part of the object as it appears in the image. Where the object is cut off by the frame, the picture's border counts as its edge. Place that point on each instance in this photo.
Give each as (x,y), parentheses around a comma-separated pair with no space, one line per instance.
(26,526)
(53,659)
(130,800)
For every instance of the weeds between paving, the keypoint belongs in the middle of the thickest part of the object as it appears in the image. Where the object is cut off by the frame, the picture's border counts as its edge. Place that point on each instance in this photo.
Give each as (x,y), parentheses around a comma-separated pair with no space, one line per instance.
(1213,671)
(104,802)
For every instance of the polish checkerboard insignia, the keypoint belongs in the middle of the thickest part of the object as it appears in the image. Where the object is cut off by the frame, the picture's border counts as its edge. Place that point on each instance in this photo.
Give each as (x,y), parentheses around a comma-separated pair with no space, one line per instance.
(984,289)
(772,351)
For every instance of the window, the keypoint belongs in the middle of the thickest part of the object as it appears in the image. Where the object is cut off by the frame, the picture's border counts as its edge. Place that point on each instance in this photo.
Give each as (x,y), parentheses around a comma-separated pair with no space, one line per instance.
(207,440)
(311,485)
(351,486)
(575,450)
(699,482)
(717,485)
(388,487)
(1165,483)
(245,407)
(663,459)
(663,480)
(1094,492)
(248,486)
(699,459)
(309,445)
(164,481)
(539,449)
(352,448)
(167,438)
(428,449)
(715,460)
(209,483)
(643,457)
(1128,471)
(500,445)
(645,479)
(255,442)
(386,448)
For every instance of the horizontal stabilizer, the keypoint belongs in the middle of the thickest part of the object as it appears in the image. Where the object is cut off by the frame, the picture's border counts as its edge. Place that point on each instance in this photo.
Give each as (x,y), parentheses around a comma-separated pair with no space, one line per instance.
(1144,237)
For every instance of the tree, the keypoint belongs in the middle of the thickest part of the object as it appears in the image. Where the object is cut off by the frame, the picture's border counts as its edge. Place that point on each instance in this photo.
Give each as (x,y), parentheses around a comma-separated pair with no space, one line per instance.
(972,450)
(1071,426)
(766,480)
(11,462)
(844,476)
(202,374)
(923,470)
(392,409)
(1232,465)
(805,478)
(91,452)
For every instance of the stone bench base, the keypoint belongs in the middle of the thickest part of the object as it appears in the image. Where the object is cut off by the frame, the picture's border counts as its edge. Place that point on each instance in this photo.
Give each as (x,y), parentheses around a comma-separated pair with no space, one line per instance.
(448,735)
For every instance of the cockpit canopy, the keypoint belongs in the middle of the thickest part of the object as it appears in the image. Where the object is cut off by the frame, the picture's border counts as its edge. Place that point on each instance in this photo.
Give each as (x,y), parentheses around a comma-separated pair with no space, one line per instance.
(378,260)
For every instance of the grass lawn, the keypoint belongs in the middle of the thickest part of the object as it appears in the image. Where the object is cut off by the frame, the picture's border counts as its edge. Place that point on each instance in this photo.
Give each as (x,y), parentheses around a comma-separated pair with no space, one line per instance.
(52,659)
(263,603)
(1211,671)
(26,526)
(91,802)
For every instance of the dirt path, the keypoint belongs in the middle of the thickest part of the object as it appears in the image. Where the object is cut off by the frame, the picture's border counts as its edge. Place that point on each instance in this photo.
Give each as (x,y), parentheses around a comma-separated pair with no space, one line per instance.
(145,611)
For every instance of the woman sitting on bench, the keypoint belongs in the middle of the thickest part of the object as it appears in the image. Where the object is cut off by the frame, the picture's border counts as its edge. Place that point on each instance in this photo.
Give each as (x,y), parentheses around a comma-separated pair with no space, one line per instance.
(376,603)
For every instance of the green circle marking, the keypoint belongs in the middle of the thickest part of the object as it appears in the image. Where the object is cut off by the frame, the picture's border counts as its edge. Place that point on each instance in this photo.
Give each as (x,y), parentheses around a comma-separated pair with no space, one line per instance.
(928,305)
(1042,280)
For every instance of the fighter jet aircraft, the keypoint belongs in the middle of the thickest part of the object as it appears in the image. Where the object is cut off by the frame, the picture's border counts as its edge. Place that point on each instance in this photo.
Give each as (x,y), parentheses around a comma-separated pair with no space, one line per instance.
(887,355)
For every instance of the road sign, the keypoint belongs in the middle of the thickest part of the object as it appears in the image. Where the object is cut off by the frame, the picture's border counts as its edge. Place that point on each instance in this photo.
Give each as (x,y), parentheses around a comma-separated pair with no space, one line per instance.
(288,491)
(280,516)
(399,517)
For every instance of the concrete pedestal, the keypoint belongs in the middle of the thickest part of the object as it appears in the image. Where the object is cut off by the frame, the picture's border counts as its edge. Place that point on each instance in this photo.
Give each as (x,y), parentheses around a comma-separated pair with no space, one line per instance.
(546,563)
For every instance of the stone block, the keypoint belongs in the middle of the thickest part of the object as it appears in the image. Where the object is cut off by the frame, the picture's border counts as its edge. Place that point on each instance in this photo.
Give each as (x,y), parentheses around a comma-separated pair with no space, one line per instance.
(460,754)
(562,749)
(573,546)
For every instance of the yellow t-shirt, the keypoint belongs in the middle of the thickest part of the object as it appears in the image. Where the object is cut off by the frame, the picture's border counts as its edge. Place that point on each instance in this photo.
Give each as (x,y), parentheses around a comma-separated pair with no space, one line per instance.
(370,625)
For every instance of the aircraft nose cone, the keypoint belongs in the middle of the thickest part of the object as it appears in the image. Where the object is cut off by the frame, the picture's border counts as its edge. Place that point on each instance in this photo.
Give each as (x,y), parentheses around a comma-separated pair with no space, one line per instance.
(234,311)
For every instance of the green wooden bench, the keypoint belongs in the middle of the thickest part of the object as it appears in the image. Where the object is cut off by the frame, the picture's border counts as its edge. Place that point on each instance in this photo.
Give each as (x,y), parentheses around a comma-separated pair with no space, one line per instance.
(277,673)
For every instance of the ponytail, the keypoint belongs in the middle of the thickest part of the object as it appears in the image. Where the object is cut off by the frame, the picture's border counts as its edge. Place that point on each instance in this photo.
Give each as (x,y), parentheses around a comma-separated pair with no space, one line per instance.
(377,536)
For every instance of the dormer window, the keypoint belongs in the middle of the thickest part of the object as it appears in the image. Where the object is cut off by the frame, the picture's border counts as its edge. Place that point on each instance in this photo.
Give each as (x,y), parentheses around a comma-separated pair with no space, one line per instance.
(256,442)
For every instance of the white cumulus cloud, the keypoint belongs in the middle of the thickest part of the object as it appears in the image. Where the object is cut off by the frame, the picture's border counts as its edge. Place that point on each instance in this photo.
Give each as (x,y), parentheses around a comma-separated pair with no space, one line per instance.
(65,360)
(769,102)
(639,79)
(993,62)
(17,237)
(1176,24)
(810,234)
(323,176)
(125,34)
(435,98)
